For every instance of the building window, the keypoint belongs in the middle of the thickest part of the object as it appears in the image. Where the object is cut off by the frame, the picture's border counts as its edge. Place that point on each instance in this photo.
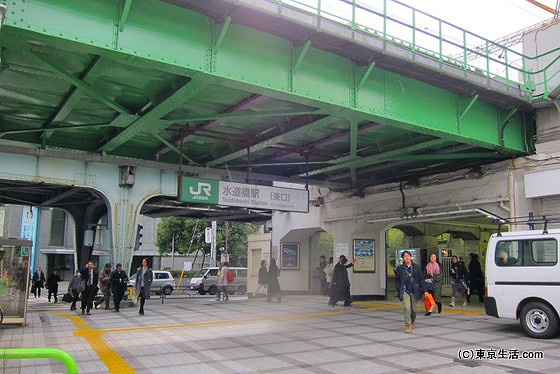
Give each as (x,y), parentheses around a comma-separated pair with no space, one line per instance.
(58,227)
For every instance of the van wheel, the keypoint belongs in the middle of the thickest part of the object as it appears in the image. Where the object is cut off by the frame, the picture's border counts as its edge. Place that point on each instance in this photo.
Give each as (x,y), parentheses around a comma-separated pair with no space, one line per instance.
(201,292)
(212,290)
(539,320)
(241,290)
(167,290)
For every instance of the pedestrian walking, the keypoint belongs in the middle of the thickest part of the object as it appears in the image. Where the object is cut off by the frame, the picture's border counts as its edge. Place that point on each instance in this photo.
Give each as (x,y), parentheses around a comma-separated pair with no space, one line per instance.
(144,279)
(90,278)
(105,286)
(273,289)
(75,286)
(223,281)
(38,282)
(408,279)
(262,280)
(341,282)
(434,280)
(459,280)
(477,278)
(119,281)
(52,285)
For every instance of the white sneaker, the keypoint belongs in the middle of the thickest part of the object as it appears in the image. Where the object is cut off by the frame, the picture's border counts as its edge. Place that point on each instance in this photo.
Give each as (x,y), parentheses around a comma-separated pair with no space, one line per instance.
(465,303)
(452,305)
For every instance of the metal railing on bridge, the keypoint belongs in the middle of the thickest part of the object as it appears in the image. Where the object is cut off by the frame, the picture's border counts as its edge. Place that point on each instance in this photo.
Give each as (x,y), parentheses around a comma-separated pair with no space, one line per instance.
(441,41)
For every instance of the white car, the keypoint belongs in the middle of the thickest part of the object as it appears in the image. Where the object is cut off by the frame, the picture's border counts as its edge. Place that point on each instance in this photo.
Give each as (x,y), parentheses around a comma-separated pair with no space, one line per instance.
(163,282)
(206,281)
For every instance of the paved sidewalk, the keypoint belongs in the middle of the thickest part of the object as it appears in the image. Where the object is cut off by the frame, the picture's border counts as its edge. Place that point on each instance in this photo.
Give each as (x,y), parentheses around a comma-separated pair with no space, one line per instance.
(302,334)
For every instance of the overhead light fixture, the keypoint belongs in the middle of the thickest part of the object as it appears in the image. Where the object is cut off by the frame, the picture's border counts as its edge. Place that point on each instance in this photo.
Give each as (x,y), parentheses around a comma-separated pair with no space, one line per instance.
(493,216)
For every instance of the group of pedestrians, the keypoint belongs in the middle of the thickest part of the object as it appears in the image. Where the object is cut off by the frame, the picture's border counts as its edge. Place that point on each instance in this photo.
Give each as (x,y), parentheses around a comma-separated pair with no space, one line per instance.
(38,282)
(111,282)
(87,282)
(268,281)
(411,282)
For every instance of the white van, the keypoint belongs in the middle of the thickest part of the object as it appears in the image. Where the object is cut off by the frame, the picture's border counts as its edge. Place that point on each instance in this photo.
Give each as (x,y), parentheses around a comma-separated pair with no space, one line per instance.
(206,281)
(523,280)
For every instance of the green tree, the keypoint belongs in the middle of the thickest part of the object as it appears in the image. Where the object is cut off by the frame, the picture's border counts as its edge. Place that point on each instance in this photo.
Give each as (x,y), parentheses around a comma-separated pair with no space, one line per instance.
(186,235)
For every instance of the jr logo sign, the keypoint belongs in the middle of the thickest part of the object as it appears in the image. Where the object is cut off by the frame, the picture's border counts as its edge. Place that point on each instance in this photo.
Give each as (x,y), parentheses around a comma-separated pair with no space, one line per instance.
(201,191)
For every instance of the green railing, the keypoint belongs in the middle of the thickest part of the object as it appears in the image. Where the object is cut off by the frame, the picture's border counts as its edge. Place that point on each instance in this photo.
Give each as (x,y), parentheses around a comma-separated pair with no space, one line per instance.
(438,40)
(27,353)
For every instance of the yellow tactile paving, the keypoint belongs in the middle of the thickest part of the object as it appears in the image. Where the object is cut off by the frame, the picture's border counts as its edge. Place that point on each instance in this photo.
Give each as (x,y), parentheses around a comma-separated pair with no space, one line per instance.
(111,359)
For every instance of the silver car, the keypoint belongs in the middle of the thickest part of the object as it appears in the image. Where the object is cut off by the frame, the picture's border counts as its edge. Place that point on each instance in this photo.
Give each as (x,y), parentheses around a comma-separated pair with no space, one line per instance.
(163,282)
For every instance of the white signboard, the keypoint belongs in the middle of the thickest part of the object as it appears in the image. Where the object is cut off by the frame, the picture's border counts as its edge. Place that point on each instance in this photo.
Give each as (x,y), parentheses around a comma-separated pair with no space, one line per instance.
(264,197)
(213,192)
(340,249)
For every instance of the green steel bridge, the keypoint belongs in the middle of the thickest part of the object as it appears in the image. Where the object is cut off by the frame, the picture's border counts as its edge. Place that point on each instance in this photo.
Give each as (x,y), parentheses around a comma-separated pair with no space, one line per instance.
(330,93)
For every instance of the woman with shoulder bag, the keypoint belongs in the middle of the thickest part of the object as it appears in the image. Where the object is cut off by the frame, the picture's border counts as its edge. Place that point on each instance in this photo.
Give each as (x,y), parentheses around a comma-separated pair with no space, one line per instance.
(433,276)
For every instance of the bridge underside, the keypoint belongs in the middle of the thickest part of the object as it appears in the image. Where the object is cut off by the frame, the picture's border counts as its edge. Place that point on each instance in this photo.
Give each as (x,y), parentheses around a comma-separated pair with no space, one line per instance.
(152,81)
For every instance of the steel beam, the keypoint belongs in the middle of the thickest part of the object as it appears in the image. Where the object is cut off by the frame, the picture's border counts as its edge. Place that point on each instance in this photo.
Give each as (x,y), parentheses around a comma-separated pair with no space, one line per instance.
(175,38)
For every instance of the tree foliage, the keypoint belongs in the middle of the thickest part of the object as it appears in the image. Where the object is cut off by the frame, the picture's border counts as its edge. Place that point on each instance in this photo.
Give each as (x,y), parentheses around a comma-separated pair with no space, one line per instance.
(186,236)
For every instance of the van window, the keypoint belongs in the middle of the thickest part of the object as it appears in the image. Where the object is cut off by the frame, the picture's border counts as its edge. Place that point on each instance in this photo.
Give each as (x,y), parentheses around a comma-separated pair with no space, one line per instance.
(530,252)
(242,273)
(213,272)
(544,252)
(162,275)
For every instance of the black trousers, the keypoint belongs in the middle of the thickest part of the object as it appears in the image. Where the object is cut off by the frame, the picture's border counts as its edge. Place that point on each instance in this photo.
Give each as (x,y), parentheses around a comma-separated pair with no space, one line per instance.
(117,298)
(87,297)
(75,296)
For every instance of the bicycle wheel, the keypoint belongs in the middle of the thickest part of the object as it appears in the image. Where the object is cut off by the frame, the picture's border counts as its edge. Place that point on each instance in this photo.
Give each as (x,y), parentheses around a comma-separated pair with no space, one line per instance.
(1,315)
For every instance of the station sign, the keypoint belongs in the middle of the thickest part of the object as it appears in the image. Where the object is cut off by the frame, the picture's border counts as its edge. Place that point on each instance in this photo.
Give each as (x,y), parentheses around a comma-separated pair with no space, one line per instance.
(213,192)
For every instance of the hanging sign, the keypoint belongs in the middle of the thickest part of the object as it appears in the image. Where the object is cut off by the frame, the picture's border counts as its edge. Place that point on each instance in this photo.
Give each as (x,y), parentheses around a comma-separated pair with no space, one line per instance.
(212,192)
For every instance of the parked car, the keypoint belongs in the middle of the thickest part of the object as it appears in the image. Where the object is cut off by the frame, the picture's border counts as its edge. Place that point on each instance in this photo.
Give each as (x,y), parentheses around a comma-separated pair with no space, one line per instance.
(206,281)
(163,282)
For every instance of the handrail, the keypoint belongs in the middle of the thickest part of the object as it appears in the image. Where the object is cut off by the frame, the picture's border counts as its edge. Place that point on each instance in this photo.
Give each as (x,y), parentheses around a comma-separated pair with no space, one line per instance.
(461,49)
(24,353)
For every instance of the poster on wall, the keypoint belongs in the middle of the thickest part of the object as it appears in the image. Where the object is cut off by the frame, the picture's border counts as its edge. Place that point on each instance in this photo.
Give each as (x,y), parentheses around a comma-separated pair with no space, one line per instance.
(289,256)
(364,253)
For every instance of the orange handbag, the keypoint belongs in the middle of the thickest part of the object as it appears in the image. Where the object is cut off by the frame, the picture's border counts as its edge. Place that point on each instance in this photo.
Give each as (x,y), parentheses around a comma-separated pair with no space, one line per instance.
(429,302)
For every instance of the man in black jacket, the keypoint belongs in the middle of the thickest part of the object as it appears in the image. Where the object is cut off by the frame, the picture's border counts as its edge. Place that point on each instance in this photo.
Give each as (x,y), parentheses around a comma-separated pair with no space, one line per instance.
(90,277)
(409,280)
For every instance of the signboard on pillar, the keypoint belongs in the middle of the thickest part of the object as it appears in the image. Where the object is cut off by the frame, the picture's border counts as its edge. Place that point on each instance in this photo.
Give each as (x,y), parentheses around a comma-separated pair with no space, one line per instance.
(208,235)
(212,192)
